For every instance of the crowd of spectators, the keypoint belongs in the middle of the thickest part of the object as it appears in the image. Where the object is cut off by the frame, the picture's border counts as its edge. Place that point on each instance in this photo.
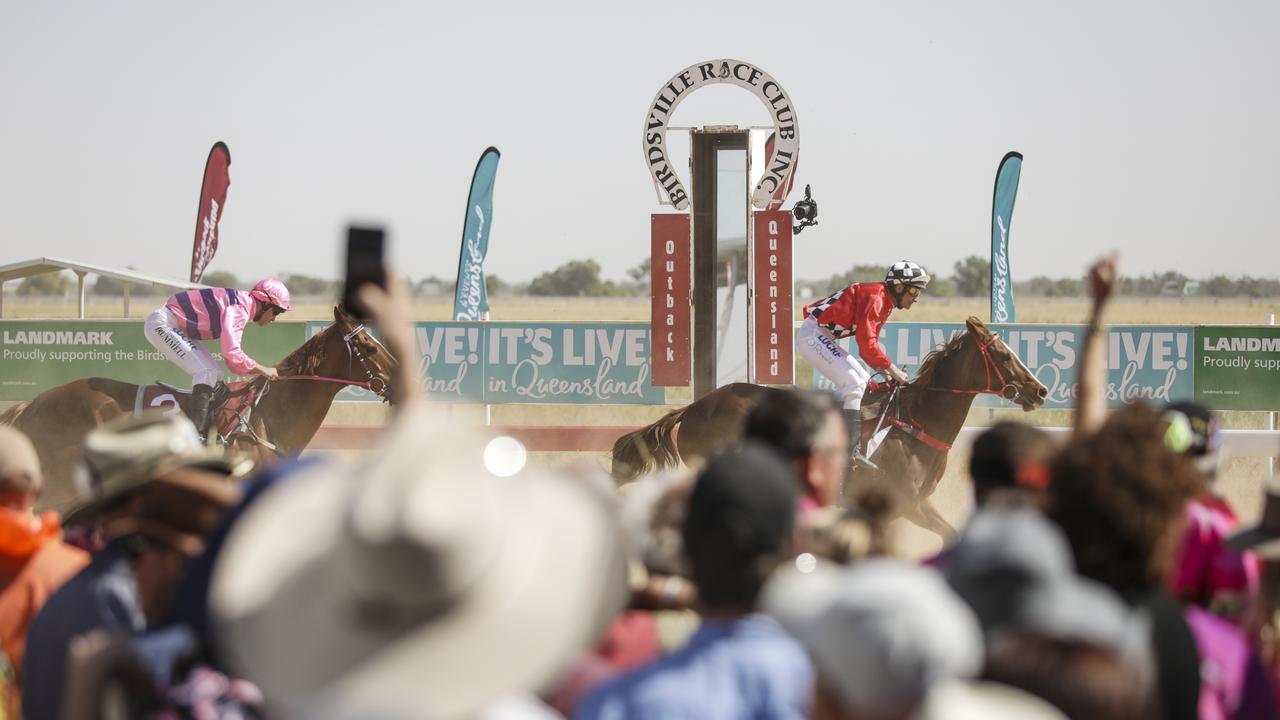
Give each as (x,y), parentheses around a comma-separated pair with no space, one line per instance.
(435,577)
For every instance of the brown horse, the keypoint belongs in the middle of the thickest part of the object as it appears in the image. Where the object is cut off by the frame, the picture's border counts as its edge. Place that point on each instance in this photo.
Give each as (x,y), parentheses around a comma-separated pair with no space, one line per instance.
(262,419)
(924,418)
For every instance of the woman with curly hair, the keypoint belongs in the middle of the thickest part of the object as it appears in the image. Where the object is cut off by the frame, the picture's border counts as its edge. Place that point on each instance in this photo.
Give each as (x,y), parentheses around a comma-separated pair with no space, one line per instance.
(1118,495)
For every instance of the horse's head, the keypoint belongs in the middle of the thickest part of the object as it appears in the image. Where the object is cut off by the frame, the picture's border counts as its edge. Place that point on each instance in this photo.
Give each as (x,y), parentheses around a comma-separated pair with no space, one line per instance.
(1005,372)
(367,359)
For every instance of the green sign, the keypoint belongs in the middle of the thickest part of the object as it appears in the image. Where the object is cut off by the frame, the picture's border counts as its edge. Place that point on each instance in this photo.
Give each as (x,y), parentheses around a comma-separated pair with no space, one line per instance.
(36,355)
(1238,368)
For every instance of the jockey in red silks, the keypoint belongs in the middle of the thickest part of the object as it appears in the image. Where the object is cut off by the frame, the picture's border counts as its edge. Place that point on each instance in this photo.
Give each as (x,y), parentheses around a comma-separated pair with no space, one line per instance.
(859,310)
(209,314)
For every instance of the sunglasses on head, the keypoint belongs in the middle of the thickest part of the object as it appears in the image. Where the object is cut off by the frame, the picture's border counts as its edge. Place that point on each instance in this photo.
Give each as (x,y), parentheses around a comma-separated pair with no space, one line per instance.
(913,291)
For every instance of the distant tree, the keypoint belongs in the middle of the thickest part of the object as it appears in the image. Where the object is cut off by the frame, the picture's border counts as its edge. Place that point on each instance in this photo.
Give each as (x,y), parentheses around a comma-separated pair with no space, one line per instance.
(1221,286)
(641,272)
(494,285)
(973,276)
(943,287)
(576,278)
(45,285)
(220,278)
(308,285)
(107,286)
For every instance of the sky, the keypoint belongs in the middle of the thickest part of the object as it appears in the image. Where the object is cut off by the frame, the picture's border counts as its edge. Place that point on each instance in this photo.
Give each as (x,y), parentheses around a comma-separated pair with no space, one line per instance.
(1148,128)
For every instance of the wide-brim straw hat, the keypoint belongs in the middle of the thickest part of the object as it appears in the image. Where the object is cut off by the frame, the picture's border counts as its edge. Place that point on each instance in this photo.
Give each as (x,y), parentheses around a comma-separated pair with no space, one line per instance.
(418,583)
(125,454)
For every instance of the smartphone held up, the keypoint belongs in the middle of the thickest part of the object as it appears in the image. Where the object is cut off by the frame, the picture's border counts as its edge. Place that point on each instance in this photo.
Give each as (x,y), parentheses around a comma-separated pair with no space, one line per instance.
(365,264)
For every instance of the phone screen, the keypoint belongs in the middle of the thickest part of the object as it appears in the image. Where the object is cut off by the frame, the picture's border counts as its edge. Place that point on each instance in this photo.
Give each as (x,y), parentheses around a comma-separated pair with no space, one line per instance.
(364,265)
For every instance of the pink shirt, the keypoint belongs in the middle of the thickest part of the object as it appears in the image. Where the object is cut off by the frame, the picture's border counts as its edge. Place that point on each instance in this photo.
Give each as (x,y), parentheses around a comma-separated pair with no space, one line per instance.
(1206,571)
(217,313)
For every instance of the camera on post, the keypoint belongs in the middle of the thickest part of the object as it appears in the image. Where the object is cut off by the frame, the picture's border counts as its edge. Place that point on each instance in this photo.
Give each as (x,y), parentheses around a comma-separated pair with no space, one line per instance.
(806,211)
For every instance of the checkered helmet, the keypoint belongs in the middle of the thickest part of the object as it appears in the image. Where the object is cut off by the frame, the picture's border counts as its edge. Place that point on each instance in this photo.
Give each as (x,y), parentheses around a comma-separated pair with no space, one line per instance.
(905,272)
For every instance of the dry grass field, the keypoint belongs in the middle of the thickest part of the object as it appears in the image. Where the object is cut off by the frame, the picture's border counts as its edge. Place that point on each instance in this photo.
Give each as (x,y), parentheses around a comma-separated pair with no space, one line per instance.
(1242,481)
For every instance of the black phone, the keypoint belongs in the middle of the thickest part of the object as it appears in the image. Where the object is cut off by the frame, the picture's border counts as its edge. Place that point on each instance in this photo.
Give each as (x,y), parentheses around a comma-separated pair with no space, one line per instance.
(364,265)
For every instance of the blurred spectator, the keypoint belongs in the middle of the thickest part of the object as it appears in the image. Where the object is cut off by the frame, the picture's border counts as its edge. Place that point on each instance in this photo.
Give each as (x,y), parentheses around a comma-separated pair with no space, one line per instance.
(159,494)
(34,561)
(739,663)
(1083,680)
(1211,577)
(1263,619)
(1009,465)
(1206,572)
(417,583)
(881,633)
(804,427)
(1014,569)
(1050,632)
(1118,495)
(845,536)
(959,700)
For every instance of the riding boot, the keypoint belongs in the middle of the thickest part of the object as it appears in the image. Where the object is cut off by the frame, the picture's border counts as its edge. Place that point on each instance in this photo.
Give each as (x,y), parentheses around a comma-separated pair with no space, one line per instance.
(199,409)
(853,423)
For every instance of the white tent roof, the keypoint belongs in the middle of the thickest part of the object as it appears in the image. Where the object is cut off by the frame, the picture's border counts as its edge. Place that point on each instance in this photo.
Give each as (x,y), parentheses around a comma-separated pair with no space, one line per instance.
(39,266)
(42,265)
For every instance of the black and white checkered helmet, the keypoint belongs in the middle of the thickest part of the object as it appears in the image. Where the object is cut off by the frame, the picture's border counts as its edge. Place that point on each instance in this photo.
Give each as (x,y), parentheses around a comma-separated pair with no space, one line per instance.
(905,272)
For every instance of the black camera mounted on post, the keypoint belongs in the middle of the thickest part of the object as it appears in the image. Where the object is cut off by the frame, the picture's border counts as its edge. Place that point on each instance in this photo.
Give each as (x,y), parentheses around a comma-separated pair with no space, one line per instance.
(806,211)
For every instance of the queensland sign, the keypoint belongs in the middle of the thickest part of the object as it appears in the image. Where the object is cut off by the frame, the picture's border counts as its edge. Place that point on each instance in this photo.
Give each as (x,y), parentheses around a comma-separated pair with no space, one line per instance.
(736,72)
(1151,363)
(38,355)
(1238,368)
(594,363)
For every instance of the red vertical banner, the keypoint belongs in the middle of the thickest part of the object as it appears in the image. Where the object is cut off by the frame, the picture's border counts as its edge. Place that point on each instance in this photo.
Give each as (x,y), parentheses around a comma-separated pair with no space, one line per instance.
(213,198)
(670,262)
(772,307)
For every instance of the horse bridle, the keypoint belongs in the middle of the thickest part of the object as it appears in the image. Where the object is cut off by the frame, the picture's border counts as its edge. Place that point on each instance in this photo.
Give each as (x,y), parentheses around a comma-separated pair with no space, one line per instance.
(1007,390)
(375,384)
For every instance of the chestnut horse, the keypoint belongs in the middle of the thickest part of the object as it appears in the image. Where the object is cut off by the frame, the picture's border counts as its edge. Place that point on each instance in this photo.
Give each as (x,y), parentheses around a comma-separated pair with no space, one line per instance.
(262,419)
(924,417)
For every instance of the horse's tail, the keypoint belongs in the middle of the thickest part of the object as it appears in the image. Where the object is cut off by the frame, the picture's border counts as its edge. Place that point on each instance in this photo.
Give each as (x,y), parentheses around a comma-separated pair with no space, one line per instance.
(10,416)
(646,449)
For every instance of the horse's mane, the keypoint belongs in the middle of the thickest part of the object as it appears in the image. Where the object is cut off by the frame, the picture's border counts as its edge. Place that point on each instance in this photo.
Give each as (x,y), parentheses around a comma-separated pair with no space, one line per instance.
(914,393)
(924,376)
(306,359)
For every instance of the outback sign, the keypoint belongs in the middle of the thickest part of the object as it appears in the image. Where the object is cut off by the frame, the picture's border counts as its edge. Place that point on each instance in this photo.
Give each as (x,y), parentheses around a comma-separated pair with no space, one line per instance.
(745,75)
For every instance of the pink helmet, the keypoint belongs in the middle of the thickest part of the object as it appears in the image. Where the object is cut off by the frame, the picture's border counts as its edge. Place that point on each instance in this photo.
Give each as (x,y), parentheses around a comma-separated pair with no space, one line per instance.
(271,291)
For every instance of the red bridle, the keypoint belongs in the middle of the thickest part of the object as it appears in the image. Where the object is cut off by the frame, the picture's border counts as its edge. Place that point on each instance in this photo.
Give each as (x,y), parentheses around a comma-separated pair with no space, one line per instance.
(990,366)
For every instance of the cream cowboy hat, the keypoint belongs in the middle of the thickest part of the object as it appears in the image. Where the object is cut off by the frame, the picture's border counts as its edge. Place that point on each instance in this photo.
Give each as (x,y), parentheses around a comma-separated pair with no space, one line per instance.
(419,583)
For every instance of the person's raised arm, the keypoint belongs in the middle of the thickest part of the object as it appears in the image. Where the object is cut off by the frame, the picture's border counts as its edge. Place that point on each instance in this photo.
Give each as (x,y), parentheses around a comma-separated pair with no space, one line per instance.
(390,310)
(1091,405)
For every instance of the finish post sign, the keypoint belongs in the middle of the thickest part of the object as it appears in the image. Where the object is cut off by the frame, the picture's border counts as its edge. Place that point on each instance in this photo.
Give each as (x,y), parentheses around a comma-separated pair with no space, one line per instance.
(544,363)
(772,307)
(1149,363)
(38,355)
(670,312)
(1238,368)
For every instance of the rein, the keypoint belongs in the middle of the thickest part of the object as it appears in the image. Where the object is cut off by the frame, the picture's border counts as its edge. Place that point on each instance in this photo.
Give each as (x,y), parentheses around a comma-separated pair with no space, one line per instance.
(321,378)
(914,427)
(374,384)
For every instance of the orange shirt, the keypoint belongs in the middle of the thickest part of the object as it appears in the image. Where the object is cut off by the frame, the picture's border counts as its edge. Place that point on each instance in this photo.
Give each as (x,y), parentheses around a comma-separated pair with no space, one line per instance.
(34,562)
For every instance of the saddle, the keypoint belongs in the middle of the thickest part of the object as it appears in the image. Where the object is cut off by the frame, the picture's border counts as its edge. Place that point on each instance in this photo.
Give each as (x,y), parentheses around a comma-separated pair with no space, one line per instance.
(881,411)
(230,407)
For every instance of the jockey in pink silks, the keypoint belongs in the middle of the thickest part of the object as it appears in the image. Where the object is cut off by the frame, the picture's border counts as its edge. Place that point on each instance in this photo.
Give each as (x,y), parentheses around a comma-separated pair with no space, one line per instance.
(213,314)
